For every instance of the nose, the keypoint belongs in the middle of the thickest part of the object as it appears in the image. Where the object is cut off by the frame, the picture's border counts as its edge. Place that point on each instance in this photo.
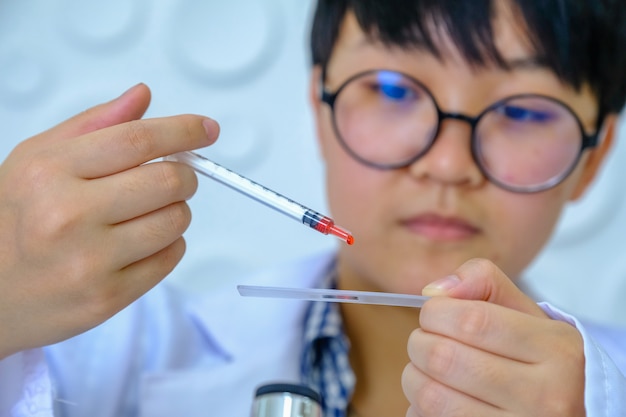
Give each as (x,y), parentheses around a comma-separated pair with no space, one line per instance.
(449,161)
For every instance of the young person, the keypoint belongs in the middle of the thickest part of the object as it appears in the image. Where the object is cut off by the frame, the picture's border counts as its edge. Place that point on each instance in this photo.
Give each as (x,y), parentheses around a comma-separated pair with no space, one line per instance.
(453,134)
(462,129)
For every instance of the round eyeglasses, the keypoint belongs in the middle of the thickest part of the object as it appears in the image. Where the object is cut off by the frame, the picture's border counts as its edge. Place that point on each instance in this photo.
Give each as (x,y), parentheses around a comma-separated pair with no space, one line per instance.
(523,143)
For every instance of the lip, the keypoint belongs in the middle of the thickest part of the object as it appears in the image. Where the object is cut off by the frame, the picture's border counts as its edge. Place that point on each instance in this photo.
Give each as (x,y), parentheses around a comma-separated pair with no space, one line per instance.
(441,228)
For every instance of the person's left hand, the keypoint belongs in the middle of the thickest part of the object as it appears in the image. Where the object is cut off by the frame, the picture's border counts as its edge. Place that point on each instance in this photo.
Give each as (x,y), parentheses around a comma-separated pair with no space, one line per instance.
(486,349)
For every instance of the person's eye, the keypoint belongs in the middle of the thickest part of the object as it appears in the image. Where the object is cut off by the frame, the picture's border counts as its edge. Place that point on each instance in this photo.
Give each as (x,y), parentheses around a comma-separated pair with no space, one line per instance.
(524,114)
(396,92)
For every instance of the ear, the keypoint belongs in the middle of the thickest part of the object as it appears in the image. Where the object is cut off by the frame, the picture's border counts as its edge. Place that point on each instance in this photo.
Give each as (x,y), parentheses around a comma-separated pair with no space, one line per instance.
(315,100)
(315,88)
(597,155)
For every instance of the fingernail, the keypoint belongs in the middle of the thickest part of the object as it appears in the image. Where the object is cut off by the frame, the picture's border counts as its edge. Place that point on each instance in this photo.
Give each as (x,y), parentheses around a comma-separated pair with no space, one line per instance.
(130,89)
(211,128)
(441,286)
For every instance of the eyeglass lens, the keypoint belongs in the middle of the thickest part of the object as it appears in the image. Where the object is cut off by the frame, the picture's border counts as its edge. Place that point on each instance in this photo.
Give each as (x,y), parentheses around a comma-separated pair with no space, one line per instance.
(388,120)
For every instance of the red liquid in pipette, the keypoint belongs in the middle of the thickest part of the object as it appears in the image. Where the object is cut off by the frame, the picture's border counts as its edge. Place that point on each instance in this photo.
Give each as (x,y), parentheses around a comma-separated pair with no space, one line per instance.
(327,226)
(342,234)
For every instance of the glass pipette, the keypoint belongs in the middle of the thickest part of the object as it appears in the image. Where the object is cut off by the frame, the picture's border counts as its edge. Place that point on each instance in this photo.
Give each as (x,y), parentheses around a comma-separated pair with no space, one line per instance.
(263,195)
(334,296)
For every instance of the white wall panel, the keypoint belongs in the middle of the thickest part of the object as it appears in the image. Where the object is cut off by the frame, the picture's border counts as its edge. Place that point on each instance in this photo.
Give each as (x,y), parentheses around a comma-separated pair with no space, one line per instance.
(245,63)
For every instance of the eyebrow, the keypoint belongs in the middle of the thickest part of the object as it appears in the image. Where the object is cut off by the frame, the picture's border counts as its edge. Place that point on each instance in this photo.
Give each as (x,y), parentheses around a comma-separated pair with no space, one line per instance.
(533,62)
(526,63)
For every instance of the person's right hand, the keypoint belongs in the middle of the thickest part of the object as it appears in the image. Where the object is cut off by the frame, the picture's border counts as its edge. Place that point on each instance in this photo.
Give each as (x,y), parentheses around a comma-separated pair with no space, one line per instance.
(87,226)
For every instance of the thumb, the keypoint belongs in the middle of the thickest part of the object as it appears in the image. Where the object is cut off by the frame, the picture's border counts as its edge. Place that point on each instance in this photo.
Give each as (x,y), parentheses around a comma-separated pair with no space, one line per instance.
(480,279)
(131,105)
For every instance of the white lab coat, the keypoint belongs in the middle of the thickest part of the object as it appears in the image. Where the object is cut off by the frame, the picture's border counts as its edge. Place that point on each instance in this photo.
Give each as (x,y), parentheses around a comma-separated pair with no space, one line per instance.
(205,359)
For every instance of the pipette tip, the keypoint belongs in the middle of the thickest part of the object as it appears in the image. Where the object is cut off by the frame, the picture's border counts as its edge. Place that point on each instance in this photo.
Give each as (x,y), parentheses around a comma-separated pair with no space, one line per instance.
(342,234)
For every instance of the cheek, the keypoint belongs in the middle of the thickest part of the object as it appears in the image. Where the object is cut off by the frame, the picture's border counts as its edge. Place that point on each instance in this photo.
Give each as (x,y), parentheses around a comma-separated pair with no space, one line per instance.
(353,189)
(523,226)
(537,214)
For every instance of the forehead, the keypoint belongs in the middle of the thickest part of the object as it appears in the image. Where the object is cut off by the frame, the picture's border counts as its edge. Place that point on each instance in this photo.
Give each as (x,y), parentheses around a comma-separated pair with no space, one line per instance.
(505,40)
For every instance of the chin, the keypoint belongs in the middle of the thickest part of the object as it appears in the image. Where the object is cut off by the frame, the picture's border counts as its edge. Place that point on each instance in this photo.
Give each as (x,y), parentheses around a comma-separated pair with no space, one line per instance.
(413,277)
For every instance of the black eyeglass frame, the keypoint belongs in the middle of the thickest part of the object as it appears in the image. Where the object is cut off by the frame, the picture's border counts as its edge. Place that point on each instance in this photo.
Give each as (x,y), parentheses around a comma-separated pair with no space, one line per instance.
(588,141)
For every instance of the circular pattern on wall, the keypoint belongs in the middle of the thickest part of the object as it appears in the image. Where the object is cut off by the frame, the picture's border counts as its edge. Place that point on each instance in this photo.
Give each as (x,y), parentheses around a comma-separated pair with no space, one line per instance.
(96,26)
(26,77)
(243,143)
(224,44)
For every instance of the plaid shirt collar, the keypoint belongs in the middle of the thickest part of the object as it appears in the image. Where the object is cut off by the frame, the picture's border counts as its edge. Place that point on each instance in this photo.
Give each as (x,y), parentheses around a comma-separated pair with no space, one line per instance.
(325,364)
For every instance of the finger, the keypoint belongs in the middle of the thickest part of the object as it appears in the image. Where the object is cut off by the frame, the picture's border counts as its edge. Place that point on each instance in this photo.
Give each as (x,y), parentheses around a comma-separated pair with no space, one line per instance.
(131,282)
(131,105)
(429,397)
(141,276)
(146,235)
(491,327)
(141,190)
(495,380)
(479,279)
(552,380)
(128,145)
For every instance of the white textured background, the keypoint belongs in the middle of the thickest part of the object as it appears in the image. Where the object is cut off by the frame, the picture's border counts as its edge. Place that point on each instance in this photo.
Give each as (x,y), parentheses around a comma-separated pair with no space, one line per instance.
(245,63)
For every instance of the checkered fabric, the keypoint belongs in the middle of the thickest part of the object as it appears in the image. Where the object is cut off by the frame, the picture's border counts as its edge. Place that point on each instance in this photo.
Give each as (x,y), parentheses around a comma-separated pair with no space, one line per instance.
(325,364)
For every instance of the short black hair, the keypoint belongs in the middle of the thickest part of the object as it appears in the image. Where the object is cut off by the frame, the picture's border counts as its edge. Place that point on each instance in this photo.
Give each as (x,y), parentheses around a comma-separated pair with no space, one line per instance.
(581,41)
